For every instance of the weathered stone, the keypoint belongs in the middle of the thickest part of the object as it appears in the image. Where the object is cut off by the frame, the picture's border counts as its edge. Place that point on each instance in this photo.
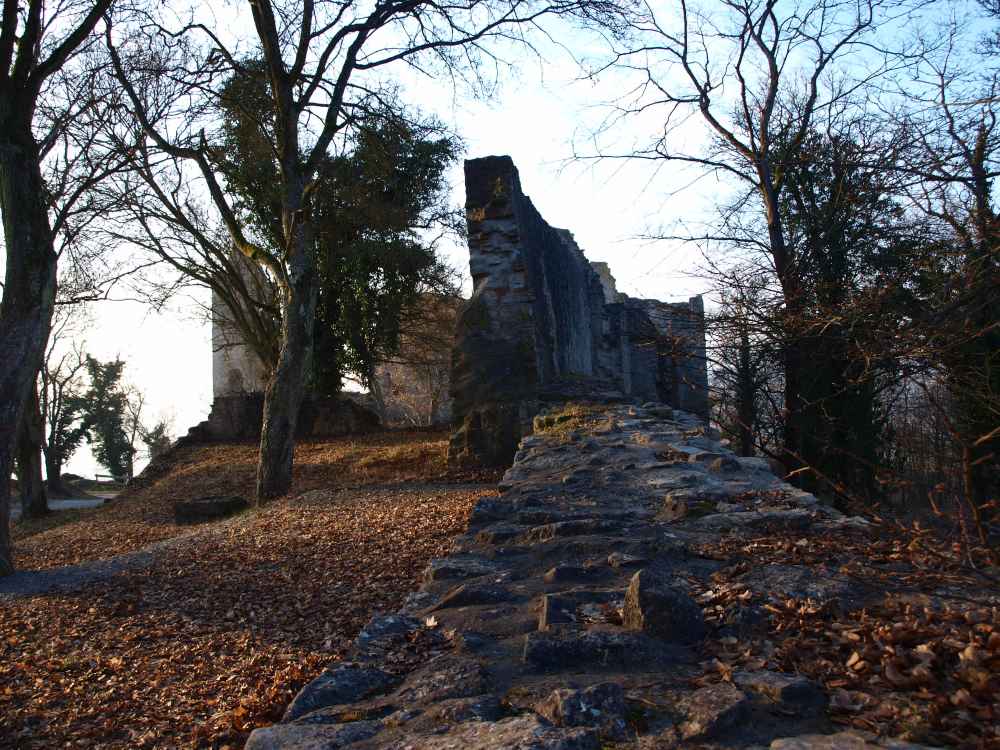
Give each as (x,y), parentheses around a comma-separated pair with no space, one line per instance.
(310,736)
(575,608)
(625,560)
(850,740)
(556,611)
(705,457)
(568,573)
(725,465)
(382,631)
(655,606)
(803,582)
(674,508)
(208,508)
(485,599)
(457,710)
(238,414)
(660,411)
(445,677)
(548,652)
(601,706)
(343,683)
(714,710)
(470,595)
(564,529)
(543,322)
(794,691)
(795,519)
(499,533)
(518,733)
(459,567)
(755,464)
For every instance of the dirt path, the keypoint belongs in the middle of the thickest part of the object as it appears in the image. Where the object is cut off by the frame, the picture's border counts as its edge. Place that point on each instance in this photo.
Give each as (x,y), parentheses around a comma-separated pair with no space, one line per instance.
(72,578)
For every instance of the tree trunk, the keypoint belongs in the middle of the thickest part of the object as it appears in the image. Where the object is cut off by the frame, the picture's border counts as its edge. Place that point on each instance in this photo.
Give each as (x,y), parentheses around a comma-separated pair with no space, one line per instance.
(53,477)
(792,359)
(746,408)
(34,502)
(29,289)
(286,388)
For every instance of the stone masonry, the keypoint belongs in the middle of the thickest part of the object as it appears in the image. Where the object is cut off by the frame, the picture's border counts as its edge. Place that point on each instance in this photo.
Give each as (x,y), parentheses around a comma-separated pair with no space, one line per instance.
(545,325)
(575,612)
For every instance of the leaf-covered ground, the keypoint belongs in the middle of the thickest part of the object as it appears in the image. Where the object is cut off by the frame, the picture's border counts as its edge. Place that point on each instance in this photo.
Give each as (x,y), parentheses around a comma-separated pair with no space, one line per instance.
(217,635)
(921,663)
(144,514)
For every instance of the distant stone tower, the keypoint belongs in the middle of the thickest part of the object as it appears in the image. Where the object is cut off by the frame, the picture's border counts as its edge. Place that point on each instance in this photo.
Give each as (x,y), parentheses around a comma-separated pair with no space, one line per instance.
(546,325)
(236,368)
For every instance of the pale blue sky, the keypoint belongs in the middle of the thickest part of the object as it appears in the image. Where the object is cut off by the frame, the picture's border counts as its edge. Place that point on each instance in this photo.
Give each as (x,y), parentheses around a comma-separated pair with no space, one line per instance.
(533,120)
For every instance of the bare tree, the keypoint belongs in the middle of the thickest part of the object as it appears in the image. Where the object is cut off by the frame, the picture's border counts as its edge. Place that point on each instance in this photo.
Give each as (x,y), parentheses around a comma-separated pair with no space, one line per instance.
(36,42)
(953,165)
(323,64)
(61,391)
(757,73)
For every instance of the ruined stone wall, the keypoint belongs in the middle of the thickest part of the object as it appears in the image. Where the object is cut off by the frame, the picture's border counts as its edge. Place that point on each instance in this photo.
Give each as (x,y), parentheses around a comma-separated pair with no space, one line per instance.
(544,324)
(236,369)
(583,607)
(240,417)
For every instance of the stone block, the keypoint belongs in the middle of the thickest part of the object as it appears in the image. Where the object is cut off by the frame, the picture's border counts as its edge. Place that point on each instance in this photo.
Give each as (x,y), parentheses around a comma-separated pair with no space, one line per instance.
(849,740)
(208,508)
(311,737)
(339,685)
(794,691)
(601,706)
(656,606)
(518,733)
(714,710)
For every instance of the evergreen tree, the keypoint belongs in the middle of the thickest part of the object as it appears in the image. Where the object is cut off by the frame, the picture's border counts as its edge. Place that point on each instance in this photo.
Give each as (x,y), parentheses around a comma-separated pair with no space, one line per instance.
(105,404)
(368,207)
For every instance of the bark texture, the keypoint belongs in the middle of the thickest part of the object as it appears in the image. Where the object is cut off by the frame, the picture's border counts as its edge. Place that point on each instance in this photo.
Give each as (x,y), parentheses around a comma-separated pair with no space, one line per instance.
(286,389)
(29,290)
(34,499)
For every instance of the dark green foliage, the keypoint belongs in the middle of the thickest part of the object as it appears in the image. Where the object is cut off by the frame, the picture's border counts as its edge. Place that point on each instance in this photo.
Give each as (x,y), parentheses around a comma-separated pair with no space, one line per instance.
(68,431)
(368,205)
(157,439)
(104,407)
(856,262)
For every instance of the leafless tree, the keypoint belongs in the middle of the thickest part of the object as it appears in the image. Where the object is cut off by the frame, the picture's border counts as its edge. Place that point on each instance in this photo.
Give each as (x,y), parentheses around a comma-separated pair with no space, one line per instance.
(757,74)
(952,167)
(324,65)
(37,41)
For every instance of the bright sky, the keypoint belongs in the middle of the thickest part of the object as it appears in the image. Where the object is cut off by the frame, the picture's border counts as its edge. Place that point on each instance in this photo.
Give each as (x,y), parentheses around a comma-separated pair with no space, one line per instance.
(535,120)
(536,117)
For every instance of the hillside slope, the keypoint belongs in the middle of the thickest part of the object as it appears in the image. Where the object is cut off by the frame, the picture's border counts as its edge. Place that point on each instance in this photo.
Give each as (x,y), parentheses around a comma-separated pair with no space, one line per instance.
(220,629)
(143,514)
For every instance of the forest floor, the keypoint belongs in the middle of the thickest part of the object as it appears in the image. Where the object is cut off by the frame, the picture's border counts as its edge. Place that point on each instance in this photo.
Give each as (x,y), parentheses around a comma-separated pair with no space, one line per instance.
(215,627)
(215,632)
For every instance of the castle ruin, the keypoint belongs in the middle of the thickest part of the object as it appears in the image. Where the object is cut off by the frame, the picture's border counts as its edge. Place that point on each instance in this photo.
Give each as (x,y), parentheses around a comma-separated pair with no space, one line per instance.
(545,325)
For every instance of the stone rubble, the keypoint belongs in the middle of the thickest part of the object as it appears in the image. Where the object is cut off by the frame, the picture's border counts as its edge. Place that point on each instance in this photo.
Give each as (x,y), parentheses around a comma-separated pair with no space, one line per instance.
(567,616)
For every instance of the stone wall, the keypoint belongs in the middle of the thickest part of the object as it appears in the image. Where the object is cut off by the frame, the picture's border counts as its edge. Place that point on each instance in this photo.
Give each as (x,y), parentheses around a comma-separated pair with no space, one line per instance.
(236,368)
(588,607)
(240,417)
(544,324)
